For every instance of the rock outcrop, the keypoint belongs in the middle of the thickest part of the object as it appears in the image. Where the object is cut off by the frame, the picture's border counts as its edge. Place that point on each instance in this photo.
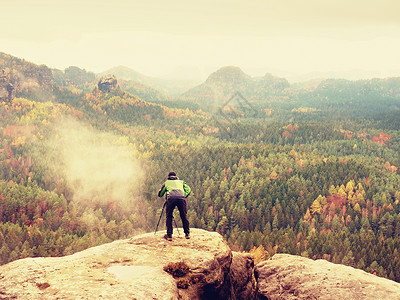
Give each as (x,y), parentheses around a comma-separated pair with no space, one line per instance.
(125,269)
(204,267)
(6,87)
(107,83)
(293,277)
(240,282)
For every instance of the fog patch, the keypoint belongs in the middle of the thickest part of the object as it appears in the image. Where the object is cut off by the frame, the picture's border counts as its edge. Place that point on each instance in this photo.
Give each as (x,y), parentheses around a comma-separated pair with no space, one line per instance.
(95,166)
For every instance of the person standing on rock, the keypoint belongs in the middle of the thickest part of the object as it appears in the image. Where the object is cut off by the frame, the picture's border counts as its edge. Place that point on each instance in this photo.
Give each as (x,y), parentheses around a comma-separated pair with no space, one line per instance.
(176,192)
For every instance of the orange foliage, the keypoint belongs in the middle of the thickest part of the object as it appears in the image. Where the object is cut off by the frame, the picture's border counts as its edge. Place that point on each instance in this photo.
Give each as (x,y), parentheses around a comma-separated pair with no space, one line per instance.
(301,162)
(77,113)
(362,134)
(347,133)
(273,175)
(15,131)
(292,128)
(382,138)
(390,168)
(339,201)
(111,204)
(250,164)
(286,134)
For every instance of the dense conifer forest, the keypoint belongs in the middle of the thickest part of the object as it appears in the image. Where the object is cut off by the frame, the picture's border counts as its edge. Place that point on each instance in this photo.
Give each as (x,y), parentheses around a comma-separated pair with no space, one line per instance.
(312,173)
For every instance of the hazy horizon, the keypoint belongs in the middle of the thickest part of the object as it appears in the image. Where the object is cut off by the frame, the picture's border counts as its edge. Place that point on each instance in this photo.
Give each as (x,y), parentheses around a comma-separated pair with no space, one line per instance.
(189,40)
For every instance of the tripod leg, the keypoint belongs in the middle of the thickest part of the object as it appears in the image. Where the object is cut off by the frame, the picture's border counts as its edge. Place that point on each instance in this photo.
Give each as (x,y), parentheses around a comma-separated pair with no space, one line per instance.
(160,217)
(177,227)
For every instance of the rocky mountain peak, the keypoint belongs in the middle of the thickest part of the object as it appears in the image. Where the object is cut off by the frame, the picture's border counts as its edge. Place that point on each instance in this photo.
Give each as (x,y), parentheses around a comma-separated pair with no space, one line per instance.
(228,74)
(107,83)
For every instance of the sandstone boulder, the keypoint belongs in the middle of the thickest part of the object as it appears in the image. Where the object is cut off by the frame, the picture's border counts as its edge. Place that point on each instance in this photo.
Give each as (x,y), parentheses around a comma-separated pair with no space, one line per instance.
(124,269)
(240,282)
(293,277)
(107,83)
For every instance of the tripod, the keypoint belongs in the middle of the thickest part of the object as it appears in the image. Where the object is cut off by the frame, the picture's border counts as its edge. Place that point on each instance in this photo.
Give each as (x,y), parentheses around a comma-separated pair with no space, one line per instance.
(165,203)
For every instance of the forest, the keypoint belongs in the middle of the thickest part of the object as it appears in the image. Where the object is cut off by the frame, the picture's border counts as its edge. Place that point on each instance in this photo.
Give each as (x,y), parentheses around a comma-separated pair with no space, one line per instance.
(310,177)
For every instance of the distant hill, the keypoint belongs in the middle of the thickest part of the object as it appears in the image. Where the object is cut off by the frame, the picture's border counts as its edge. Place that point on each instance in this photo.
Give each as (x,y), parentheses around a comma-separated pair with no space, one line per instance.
(127,74)
(165,86)
(277,93)
(143,91)
(26,77)
(39,82)
(352,75)
(351,97)
(73,75)
(21,78)
(222,84)
(349,90)
(136,83)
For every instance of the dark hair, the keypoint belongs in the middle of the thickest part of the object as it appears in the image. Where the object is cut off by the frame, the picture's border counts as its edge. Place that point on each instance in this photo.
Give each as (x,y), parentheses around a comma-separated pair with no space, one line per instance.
(172,173)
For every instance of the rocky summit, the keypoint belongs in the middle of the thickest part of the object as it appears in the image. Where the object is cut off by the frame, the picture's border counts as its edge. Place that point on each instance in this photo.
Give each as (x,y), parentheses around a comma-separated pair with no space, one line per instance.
(293,277)
(125,269)
(203,267)
(107,83)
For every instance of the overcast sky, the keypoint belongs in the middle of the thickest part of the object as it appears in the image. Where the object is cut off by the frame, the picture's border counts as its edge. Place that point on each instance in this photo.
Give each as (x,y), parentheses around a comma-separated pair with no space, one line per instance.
(193,38)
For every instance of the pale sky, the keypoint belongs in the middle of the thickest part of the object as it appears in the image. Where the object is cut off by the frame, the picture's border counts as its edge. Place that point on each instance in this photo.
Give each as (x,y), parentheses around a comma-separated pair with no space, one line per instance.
(193,38)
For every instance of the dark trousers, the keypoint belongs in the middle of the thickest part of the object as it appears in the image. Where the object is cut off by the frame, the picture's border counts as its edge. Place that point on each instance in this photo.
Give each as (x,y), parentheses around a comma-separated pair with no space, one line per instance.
(181,204)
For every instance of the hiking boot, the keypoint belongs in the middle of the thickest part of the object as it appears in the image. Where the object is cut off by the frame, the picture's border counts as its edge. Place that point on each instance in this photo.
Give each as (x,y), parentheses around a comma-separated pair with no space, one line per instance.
(167,237)
(187,236)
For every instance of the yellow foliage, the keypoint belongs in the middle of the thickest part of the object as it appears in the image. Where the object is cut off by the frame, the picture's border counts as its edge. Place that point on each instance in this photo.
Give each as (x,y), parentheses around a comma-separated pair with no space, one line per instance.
(321,199)
(332,190)
(350,186)
(301,162)
(293,154)
(273,175)
(20,140)
(316,207)
(304,109)
(341,191)
(122,141)
(259,254)
(307,216)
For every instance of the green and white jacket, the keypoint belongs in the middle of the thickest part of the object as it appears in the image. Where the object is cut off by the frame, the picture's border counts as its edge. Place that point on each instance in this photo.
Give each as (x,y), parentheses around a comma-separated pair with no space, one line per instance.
(174,188)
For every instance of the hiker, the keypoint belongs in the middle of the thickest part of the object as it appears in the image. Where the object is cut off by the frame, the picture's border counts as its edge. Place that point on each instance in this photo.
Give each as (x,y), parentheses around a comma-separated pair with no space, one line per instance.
(176,192)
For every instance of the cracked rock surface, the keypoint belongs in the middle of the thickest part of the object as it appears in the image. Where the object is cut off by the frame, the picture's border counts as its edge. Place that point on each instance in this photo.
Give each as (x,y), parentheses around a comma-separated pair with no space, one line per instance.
(123,269)
(287,276)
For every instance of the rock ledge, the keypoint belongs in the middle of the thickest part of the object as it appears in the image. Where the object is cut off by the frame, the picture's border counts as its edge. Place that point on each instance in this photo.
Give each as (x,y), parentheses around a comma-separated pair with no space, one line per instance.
(123,269)
(287,276)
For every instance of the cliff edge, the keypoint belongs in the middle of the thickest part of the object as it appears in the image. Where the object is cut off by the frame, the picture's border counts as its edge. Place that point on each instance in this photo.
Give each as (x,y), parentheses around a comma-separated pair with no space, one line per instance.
(204,267)
(125,269)
(292,277)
